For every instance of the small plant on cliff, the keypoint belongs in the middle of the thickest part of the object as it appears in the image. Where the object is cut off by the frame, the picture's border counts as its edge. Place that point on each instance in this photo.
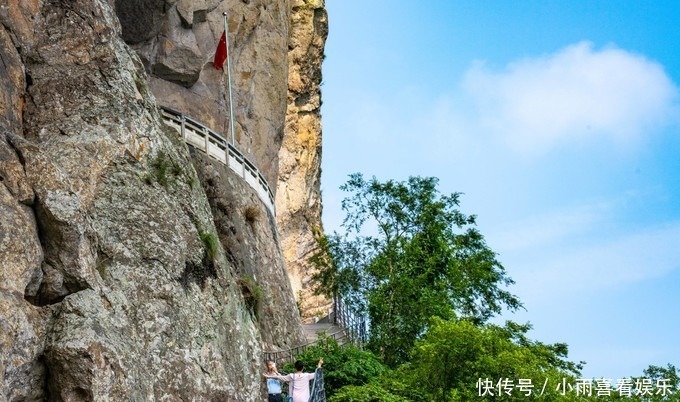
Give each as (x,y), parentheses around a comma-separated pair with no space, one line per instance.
(210,243)
(251,291)
(162,167)
(298,303)
(102,260)
(252,214)
(190,180)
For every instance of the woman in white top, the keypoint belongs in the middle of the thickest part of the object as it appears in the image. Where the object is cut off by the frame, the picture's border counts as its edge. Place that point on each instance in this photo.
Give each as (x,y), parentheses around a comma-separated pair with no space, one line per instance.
(299,382)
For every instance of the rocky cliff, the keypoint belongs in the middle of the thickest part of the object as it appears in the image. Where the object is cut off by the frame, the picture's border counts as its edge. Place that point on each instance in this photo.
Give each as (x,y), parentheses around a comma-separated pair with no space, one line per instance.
(298,197)
(132,267)
(176,40)
(175,48)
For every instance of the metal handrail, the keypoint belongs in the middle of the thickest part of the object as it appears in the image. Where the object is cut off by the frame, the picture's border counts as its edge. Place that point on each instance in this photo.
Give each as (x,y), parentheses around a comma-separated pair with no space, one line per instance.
(318,392)
(215,146)
(352,322)
(353,327)
(291,353)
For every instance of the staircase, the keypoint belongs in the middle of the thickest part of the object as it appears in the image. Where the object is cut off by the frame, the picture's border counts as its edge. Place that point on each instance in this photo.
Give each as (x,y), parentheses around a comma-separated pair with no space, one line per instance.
(312,332)
(327,327)
(342,324)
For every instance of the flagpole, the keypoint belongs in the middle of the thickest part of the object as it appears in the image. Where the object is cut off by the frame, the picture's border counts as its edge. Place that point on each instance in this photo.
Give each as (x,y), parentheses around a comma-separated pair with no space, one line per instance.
(231,99)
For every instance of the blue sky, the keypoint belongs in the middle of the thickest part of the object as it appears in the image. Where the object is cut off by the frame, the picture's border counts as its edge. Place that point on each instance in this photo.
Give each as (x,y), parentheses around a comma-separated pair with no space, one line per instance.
(559,120)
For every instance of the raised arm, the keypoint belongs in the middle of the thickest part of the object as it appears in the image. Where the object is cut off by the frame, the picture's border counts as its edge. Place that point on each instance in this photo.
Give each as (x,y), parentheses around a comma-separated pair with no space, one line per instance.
(285,378)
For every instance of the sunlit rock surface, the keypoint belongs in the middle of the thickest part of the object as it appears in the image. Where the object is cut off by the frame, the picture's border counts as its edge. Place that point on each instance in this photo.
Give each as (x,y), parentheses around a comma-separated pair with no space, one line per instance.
(298,198)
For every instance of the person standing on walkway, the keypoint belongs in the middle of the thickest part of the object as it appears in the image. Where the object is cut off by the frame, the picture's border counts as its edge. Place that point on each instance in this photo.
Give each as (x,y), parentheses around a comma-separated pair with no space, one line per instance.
(273,385)
(299,381)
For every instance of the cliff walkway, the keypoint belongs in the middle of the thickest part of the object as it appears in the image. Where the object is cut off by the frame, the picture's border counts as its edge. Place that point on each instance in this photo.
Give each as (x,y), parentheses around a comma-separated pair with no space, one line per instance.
(342,324)
(218,148)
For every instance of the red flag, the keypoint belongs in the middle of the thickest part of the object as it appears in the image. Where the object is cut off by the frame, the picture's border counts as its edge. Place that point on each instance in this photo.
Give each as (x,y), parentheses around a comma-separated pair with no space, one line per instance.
(221,52)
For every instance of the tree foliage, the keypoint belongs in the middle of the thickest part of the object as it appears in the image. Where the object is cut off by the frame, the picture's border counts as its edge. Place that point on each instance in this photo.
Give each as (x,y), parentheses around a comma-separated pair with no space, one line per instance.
(409,254)
(429,283)
(452,357)
(667,374)
(343,365)
(372,392)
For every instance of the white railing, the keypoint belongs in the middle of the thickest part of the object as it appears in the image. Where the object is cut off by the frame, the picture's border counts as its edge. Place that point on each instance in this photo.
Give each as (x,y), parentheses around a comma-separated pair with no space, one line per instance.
(216,147)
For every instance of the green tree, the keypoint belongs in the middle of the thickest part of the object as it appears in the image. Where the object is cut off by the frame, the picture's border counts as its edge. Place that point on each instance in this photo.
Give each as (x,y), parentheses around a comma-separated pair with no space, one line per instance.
(409,254)
(666,383)
(372,392)
(457,361)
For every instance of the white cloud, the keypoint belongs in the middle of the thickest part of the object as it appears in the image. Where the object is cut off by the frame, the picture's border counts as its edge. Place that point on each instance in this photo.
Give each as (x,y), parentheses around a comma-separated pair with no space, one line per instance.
(620,261)
(579,92)
(546,230)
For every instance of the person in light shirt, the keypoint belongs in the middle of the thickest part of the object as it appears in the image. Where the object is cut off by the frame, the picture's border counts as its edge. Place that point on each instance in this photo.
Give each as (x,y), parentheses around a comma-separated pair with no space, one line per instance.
(273,385)
(299,381)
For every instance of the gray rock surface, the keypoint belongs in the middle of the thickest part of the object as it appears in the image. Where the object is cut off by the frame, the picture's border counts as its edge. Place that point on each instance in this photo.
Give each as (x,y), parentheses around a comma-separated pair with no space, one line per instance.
(113,284)
(249,235)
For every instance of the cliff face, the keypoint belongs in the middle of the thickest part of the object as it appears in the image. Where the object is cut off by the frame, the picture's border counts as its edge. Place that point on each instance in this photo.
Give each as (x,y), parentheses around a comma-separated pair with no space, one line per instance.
(298,197)
(132,270)
(176,40)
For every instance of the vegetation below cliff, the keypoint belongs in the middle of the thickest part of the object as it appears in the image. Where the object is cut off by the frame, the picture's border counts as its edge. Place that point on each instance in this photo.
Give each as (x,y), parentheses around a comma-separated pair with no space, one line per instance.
(429,285)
